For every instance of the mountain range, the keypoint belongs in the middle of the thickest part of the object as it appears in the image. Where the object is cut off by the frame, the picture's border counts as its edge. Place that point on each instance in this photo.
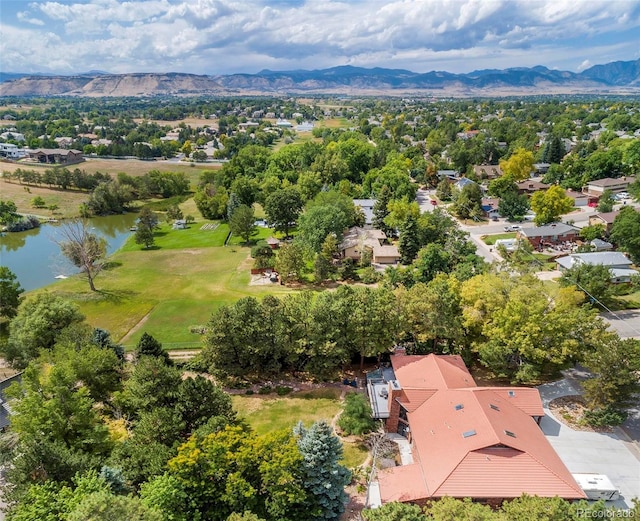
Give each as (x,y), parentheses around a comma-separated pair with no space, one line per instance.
(620,77)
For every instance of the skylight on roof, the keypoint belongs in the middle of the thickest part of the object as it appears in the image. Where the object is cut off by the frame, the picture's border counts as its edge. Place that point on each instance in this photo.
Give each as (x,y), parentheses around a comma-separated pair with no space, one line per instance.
(468,434)
(512,394)
(459,406)
(494,407)
(509,433)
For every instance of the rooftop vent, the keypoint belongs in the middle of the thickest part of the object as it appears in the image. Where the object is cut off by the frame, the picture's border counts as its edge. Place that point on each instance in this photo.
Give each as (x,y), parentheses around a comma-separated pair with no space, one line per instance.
(468,434)
(512,394)
(509,433)
(494,407)
(459,407)
(395,385)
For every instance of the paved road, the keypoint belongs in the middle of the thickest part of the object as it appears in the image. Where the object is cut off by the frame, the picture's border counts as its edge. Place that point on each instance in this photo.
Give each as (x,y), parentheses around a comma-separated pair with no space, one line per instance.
(626,322)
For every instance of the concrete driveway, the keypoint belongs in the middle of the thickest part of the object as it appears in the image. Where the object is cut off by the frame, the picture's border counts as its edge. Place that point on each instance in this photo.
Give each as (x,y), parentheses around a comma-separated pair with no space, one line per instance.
(612,454)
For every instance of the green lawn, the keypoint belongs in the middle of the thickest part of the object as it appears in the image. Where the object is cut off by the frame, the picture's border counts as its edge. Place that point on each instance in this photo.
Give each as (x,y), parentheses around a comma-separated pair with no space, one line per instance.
(491,239)
(269,413)
(191,237)
(172,289)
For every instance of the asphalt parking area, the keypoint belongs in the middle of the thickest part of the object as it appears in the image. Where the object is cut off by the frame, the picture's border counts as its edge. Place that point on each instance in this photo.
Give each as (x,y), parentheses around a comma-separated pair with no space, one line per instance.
(592,452)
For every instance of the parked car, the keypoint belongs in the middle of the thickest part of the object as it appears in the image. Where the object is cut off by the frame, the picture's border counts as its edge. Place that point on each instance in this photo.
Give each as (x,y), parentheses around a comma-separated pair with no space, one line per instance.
(511,228)
(622,195)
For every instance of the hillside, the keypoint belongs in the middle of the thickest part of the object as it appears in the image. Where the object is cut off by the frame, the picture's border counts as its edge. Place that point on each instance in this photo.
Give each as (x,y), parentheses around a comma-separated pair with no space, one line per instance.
(615,77)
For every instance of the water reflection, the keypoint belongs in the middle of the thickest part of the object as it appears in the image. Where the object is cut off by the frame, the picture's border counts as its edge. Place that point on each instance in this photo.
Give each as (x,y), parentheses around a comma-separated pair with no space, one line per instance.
(36,259)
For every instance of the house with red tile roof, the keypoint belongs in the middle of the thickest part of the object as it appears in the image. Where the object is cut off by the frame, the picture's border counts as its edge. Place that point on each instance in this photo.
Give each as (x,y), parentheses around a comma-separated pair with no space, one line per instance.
(466,441)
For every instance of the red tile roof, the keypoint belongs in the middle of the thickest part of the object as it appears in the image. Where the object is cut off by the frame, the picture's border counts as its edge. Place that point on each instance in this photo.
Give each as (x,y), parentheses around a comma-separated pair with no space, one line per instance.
(431,372)
(471,441)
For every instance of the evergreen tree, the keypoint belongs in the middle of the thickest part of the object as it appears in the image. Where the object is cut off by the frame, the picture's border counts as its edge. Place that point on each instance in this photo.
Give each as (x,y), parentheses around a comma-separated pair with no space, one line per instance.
(409,243)
(554,150)
(324,477)
(380,210)
(149,346)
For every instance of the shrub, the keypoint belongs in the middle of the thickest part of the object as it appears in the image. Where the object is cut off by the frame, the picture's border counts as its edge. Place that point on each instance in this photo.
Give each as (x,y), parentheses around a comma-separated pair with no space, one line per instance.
(249,392)
(265,389)
(604,417)
(283,390)
(370,275)
(28,222)
(356,418)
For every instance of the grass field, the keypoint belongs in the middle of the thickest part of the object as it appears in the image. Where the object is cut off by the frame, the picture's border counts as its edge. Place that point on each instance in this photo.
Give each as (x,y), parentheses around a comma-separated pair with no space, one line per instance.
(268,413)
(171,289)
(491,239)
(67,202)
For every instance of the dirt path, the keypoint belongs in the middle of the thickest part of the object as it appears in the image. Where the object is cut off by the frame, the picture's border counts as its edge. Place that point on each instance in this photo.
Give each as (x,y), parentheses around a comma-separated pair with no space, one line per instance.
(135,328)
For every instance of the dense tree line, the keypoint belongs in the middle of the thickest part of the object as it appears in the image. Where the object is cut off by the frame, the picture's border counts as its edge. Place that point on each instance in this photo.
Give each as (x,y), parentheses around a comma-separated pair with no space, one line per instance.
(93,434)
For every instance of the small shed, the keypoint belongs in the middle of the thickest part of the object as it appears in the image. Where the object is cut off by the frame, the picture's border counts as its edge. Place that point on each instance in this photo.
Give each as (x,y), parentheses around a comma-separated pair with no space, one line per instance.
(600,245)
(273,243)
(179,224)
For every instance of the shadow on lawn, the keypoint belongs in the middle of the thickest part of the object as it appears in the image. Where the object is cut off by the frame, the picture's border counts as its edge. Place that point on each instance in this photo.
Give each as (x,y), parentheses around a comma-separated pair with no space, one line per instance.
(116,295)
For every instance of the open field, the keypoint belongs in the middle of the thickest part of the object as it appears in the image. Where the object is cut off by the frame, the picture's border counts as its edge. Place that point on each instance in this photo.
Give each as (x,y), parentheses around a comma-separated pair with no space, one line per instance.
(269,413)
(170,289)
(66,200)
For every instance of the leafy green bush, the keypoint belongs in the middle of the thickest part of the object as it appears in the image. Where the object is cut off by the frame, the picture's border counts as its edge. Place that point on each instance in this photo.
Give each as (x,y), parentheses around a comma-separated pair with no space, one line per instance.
(265,389)
(283,390)
(356,418)
(604,417)
(369,275)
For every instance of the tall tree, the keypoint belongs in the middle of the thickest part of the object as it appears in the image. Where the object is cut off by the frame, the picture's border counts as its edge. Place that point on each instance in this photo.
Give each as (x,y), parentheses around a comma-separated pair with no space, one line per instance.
(10,291)
(324,477)
(83,248)
(519,165)
(409,243)
(37,325)
(606,202)
(147,223)
(625,232)
(513,206)
(380,210)
(290,262)
(554,150)
(550,205)
(243,223)
(283,208)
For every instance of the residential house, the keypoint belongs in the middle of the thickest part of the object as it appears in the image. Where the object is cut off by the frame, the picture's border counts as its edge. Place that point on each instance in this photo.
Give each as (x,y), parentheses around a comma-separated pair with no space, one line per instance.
(605,218)
(11,151)
(366,205)
(487,171)
(549,235)
(579,199)
(600,245)
(484,443)
(540,168)
(56,156)
(358,240)
(596,188)
(617,262)
(489,207)
(529,186)
(462,182)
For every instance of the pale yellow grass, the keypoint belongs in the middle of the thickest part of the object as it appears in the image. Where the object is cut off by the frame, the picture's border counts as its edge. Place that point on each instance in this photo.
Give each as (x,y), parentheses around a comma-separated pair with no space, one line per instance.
(68,202)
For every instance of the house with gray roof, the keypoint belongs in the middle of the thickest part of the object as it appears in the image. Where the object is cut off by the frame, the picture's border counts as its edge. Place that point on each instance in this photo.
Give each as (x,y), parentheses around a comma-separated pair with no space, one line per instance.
(618,263)
(550,234)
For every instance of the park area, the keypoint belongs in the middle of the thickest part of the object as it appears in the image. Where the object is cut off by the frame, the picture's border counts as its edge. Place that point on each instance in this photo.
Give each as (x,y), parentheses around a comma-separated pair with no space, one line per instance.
(169,290)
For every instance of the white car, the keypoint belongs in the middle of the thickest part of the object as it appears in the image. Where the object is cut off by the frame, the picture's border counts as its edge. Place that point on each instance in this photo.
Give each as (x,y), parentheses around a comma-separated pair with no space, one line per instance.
(622,195)
(511,228)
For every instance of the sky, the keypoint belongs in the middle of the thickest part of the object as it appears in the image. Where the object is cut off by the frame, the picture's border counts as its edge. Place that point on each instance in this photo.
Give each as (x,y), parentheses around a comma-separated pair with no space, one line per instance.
(247,36)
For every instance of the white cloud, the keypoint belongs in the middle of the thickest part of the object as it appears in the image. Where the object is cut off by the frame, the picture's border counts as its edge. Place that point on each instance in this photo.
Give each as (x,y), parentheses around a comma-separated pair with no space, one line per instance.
(227,35)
